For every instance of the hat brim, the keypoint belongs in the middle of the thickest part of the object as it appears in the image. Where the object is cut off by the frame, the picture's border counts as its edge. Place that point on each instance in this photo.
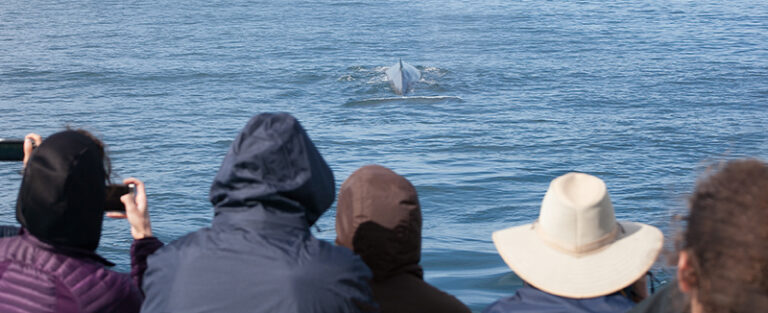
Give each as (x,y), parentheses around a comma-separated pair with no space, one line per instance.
(597,273)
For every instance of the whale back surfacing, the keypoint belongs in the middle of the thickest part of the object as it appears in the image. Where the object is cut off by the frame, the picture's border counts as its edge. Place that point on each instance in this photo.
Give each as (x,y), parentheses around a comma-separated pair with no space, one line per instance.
(402,77)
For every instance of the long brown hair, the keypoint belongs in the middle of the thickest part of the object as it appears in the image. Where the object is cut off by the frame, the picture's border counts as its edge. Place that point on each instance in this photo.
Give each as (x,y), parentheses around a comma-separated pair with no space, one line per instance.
(727,237)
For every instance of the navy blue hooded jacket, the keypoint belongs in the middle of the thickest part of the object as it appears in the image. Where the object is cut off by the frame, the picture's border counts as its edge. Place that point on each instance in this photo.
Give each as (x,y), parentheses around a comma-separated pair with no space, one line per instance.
(528,299)
(259,254)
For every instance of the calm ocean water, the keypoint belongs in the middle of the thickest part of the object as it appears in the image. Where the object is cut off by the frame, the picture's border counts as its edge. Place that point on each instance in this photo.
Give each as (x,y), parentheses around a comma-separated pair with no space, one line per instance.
(643,94)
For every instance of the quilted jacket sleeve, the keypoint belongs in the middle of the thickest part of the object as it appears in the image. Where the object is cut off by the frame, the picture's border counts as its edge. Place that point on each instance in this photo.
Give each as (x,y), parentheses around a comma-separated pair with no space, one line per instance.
(140,250)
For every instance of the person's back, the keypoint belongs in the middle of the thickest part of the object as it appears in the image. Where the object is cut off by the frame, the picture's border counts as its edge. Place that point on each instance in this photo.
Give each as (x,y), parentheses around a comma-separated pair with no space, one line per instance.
(667,299)
(259,254)
(409,293)
(528,299)
(378,216)
(35,277)
(51,265)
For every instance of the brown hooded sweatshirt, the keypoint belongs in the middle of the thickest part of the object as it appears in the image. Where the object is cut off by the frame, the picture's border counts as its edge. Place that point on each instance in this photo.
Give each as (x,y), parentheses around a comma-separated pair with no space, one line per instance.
(378,217)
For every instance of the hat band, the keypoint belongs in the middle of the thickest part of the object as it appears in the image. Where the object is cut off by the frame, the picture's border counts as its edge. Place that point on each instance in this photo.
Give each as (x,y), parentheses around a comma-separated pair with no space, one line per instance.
(578,250)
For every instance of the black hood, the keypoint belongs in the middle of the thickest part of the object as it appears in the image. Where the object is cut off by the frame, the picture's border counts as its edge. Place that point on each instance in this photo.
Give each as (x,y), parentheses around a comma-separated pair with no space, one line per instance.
(62,195)
(273,165)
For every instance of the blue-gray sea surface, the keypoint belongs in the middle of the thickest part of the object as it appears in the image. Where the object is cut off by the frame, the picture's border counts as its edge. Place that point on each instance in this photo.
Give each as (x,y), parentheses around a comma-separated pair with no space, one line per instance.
(644,94)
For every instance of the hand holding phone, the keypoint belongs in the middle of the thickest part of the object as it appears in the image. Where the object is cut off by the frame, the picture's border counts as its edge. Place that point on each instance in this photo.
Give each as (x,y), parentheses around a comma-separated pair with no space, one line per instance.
(135,210)
(31,141)
(19,149)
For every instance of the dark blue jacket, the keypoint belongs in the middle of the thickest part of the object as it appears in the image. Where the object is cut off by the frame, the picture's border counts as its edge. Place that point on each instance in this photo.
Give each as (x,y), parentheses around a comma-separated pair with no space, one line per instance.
(259,254)
(528,299)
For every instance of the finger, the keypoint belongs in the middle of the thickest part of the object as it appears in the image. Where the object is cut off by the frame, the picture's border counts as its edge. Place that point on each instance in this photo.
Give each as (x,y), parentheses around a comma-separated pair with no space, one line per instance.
(29,143)
(33,139)
(28,146)
(116,215)
(38,140)
(139,184)
(141,194)
(129,202)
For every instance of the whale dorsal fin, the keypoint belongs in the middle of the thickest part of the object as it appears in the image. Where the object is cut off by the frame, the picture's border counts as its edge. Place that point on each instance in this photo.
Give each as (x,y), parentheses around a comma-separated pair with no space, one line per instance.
(404,88)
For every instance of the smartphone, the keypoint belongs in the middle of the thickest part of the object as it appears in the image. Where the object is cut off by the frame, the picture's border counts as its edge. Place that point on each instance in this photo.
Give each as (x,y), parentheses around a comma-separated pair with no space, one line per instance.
(11,149)
(114,192)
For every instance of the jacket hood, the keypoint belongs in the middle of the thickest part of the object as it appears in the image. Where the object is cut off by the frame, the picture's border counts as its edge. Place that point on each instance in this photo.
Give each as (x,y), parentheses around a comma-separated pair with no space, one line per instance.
(379,218)
(62,195)
(273,166)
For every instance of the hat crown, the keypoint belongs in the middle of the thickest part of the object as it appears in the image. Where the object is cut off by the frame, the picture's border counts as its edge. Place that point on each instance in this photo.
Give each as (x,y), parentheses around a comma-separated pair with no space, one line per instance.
(576,248)
(576,214)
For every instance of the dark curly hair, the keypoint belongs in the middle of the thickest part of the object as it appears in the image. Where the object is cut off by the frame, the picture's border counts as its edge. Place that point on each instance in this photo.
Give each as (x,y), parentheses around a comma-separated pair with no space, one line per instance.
(727,237)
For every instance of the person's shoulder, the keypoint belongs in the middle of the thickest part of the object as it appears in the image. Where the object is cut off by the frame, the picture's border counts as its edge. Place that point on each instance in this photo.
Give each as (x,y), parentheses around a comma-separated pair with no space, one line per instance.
(332,278)
(668,299)
(323,263)
(406,292)
(113,289)
(529,299)
(46,262)
(444,301)
(95,273)
(86,279)
(525,299)
(499,306)
(9,243)
(190,238)
(190,241)
(330,256)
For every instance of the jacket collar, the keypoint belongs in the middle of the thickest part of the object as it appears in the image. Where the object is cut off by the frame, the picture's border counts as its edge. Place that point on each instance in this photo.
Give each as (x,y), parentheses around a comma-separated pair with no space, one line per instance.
(68,251)
(261,217)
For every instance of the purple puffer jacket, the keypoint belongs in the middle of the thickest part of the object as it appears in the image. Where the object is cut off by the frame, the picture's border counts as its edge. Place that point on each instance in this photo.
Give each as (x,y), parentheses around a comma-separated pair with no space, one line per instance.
(36,277)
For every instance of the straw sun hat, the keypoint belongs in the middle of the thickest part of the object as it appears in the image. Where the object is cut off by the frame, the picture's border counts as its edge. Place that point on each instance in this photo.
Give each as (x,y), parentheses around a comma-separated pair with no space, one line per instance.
(576,248)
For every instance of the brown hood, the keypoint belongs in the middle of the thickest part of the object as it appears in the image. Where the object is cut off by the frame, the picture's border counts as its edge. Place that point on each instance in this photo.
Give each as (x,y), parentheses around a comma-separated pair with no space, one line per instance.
(378,217)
